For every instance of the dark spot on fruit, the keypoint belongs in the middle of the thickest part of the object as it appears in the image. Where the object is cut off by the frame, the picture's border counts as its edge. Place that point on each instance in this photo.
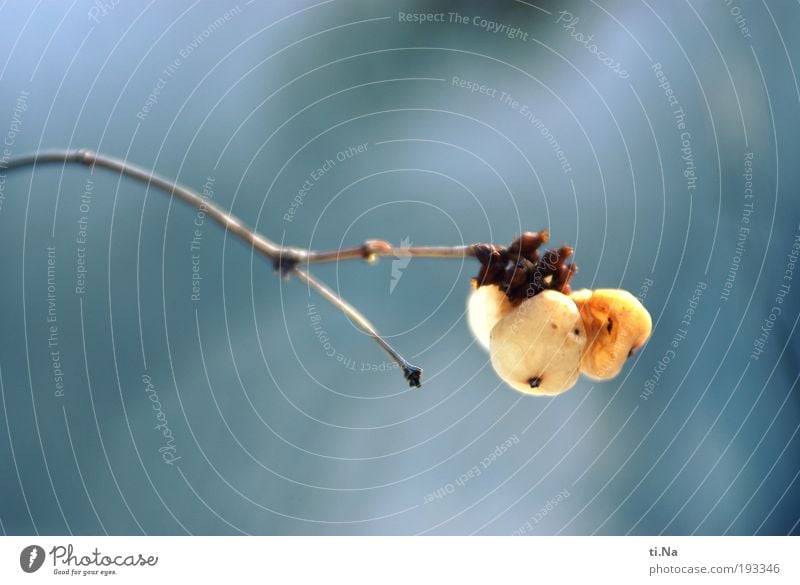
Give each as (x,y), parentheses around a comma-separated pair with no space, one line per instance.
(535,382)
(609,326)
(577,331)
(553,325)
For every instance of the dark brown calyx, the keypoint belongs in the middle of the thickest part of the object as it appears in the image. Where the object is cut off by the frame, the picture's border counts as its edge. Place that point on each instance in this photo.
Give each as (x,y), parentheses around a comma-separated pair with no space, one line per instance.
(521,271)
(493,263)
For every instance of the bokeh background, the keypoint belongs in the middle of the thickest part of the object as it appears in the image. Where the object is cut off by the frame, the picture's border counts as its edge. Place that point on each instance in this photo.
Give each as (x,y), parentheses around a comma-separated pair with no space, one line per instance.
(282,418)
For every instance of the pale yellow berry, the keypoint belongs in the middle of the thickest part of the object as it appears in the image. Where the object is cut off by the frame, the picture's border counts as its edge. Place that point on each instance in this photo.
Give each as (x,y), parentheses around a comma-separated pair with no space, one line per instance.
(616,326)
(486,306)
(536,348)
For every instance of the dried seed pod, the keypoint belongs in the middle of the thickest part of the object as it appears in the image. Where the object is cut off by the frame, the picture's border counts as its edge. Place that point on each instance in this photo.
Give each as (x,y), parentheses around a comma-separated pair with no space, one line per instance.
(616,326)
(516,277)
(520,270)
(527,244)
(486,306)
(493,262)
(536,348)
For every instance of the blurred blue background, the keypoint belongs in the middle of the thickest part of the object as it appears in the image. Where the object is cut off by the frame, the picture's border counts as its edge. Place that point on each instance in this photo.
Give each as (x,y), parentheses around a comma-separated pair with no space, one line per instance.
(203,395)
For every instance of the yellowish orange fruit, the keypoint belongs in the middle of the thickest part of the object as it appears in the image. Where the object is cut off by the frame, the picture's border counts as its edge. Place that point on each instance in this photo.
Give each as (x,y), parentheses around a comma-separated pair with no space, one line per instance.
(616,323)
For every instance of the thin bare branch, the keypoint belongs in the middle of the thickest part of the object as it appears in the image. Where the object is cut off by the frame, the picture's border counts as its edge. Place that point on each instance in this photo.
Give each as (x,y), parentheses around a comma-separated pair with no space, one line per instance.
(211,209)
(284,258)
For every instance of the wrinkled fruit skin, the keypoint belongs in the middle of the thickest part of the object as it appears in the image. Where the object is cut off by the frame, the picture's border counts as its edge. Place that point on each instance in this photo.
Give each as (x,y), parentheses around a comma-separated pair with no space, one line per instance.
(616,325)
(486,306)
(536,348)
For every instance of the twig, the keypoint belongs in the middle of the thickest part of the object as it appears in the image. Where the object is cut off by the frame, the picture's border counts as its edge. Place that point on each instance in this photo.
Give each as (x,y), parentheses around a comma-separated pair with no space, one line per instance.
(372,249)
(411,372)
(283,258)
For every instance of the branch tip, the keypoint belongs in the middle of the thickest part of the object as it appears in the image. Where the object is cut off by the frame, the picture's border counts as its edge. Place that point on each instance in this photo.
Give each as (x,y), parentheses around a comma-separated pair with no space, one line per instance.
(413,374)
